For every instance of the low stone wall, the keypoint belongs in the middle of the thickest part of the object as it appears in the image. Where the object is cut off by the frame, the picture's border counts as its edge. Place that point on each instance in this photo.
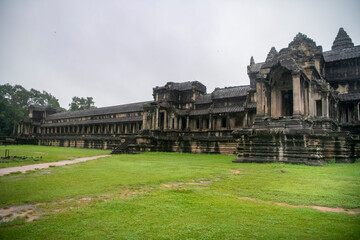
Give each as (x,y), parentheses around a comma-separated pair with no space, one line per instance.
(212,142)
(225,146)
(81,142)
(294,148)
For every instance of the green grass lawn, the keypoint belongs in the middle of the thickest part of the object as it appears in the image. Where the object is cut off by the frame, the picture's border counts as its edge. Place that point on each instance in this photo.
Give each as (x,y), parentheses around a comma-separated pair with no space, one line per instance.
(42,154)
(183,196)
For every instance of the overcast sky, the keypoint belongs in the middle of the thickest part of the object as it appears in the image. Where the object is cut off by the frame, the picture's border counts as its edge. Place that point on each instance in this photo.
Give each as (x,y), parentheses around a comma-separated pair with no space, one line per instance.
(117,51)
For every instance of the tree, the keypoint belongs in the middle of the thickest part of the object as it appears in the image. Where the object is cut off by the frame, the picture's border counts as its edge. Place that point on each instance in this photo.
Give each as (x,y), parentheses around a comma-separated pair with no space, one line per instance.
(16,99)
(14,104)
(81,103)
(43,99)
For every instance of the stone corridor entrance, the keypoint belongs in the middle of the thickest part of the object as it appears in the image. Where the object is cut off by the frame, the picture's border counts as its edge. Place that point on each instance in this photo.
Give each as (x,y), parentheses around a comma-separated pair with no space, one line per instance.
(287,103)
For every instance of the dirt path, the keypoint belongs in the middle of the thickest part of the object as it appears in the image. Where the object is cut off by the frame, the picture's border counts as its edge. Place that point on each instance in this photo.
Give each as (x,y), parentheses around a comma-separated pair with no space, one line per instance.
(320,208)
(23,169)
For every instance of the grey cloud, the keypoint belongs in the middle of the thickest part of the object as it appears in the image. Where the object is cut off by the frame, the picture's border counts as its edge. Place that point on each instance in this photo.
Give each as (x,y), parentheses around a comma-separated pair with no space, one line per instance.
(117,51)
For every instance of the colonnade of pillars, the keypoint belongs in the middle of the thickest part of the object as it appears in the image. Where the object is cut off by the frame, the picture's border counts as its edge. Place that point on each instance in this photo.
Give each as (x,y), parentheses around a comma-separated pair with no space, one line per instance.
(122,128)
(161,120)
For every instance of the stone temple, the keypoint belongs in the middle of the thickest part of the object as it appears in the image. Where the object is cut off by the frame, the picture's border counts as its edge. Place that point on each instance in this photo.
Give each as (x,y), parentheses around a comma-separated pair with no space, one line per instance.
(302,106)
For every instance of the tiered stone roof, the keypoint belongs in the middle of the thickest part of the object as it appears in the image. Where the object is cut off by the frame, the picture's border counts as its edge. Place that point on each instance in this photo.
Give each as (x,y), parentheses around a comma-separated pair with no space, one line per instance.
(342,40)
(230,92)
(126,108)
(342,54)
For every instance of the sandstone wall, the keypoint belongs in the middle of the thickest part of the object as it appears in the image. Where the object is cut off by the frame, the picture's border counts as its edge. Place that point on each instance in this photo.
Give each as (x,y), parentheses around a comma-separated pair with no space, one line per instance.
(297,148)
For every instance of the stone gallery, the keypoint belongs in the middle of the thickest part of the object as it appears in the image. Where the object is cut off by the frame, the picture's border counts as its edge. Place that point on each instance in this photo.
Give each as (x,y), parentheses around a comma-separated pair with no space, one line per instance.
(302,106)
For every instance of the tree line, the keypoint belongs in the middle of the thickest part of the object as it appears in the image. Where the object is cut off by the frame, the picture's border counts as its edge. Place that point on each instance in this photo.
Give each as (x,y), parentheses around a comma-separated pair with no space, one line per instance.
(15,101)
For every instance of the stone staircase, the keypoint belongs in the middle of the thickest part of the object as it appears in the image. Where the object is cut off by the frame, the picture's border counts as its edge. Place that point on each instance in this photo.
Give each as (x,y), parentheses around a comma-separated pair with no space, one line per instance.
(123,147)
(127,146)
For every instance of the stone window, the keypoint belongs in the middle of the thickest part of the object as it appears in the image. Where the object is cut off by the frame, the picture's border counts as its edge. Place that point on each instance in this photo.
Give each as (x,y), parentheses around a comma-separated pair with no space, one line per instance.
(287,103)
(197,123)
(223,122)
(318,108)
(206,123)
(239,119)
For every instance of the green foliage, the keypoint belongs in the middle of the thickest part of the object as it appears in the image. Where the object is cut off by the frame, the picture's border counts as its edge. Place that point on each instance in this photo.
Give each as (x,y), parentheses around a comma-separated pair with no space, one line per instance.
(43,99)
(14,103)
(81,103)
(13,107)
(160,196)
(15,222)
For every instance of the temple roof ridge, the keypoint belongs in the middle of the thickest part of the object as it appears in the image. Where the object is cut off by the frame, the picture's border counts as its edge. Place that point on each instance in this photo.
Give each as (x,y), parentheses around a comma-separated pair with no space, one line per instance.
(272,53)
(342,40)
(252,61)
(299,38)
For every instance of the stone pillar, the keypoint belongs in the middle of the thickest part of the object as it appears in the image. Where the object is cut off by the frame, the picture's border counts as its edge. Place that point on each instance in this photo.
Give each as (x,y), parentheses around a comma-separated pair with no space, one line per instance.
(306,100)
(176,122)
(275,102)
(187,122)
(152,120)
(165,120)
(311,102)
(260,92)
(227,121)
(246,120)
(210,122)
(325,105)
(297,101)
(157,119)
(144,120)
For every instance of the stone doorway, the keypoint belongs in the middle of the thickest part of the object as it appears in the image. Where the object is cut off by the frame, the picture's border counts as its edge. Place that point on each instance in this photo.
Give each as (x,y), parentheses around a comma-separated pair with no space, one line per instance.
(287,103)
(162,120)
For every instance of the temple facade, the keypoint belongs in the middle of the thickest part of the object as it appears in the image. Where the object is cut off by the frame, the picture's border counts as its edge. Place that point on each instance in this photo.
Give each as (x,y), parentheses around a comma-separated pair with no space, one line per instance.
(302,106)
(307,104)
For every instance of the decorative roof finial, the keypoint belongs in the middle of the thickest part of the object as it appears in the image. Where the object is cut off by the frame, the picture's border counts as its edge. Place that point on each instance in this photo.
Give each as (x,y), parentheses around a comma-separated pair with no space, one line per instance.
(252,62)
(342,40)
(271,54)
(301,38)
